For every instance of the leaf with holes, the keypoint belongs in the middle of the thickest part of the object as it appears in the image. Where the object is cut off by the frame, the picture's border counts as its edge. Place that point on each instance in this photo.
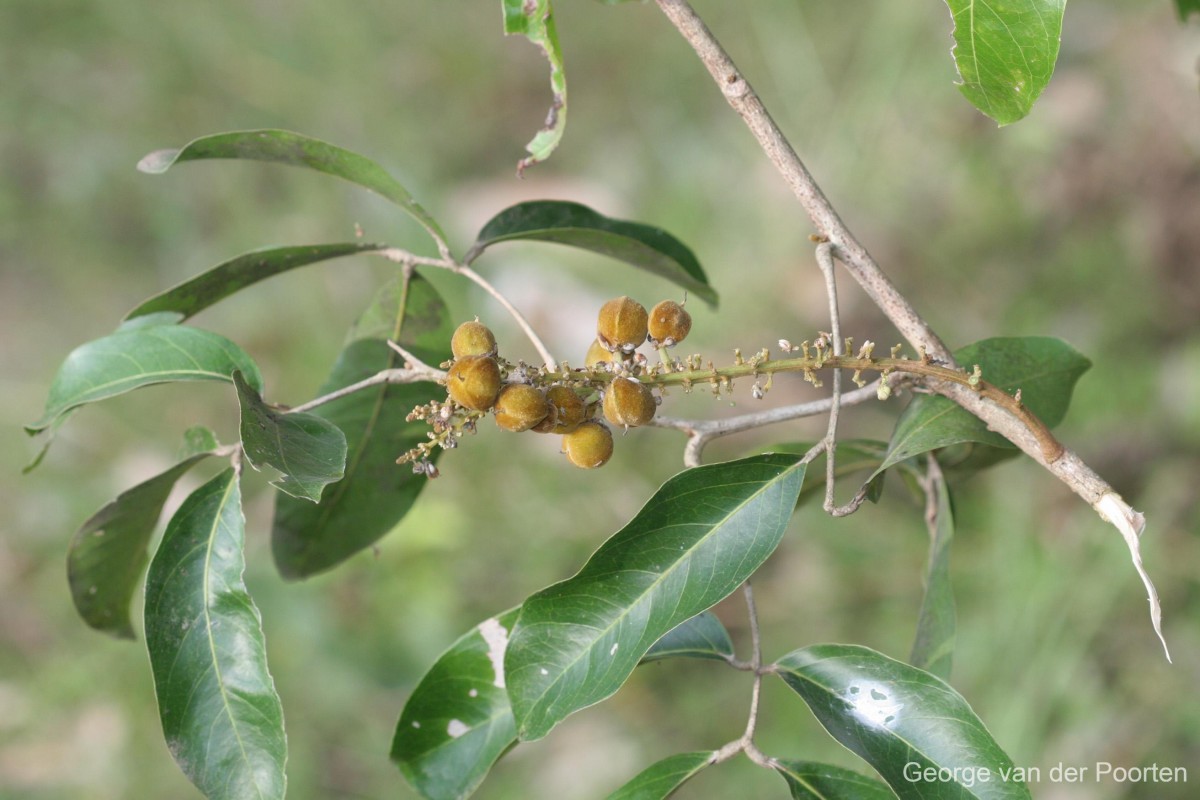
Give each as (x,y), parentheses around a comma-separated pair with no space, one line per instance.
(903,721)
(702,534)
(659,780)
(375,493)
(142,352)
(296,150)
(221,716)
(534,19)
(236,274)
(644,246)
(1005,52)
(308,450)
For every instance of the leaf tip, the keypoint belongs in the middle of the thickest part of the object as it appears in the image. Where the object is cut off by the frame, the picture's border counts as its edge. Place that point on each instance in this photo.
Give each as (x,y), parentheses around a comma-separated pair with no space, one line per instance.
(157,162)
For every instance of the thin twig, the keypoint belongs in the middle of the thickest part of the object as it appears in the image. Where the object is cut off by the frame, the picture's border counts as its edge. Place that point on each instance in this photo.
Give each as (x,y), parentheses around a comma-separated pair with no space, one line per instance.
(404,257)
(745,742)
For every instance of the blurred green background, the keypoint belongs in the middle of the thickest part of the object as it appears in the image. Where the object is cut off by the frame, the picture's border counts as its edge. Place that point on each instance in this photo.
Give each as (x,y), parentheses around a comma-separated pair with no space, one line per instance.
(1082,221)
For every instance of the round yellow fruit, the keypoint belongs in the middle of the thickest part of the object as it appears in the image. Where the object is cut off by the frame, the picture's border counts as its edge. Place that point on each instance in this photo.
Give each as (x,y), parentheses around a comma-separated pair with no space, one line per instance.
(589,446)
(473,339)
(474,382)
(520,406)
(669,323)
(622,324)
(567,410)
(628,403)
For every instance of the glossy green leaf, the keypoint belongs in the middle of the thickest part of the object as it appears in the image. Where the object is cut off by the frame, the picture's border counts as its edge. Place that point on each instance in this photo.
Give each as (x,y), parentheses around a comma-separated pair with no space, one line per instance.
(1005,52)
(457,721)
(236,274)
(661,779)
(1043,368)
(108,554)
(221,716)
(534,19)
(702,534)
(376,492)
(309,451)
(702,636)
(296,150)
(645,246)
(903,721)
(142,352)
(809,780)
(933,647)
(1187,7)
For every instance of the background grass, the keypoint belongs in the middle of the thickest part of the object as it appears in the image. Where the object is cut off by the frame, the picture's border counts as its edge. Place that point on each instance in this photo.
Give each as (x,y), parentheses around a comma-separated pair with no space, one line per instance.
(1080,222)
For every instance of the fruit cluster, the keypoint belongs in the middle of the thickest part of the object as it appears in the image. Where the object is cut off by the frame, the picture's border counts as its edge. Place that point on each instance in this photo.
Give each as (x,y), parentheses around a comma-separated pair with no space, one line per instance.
(579,404)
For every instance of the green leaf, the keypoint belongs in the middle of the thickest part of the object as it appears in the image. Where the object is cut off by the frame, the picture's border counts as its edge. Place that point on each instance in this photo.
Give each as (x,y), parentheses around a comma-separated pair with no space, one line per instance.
(1043,368)
(296,150)
(308,450)
(661,779)
(376,493)
(534,19)
(645,246)
(702,636)
(809,780)
(852,456)
(221,716)
(903,721)
(142,352)
(1187,7)
(698,538)
(236,274)
(198,439)
(457,722)
(1005,52)
(108,554)
(933,648)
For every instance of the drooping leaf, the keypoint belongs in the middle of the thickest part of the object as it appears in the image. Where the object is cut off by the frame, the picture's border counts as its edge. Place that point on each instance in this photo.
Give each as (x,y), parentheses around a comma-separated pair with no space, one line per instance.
(376,492)
(310,451)
(1043,368)
(142,352)
(296,150)
(457,721)
(534,19)
(702,636)
(933,647)
(698,538)
(1187,7)
(108,554)
(851,456)
(220,714)
(236,274)
(1005,52)
(903,721)
(645,246)
(810,780)
(660,780)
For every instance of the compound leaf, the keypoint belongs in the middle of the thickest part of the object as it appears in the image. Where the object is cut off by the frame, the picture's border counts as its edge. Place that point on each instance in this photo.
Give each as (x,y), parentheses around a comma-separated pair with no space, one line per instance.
(110,550)
(145,351)
(645,246)
(221,716)
(660,780)
(695,541)
(1005,52)
(296,150)
(534,19)
(232,276)
(913,728)
(375,493)
(308,450)
(809,780)
(1043,368)
(457,721)
(702,636)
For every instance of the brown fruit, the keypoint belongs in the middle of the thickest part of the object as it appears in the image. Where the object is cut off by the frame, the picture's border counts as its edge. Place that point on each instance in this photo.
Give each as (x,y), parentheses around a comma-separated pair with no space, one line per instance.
(566,411)
(474,382)
(669,323)
(473,339)
(590,445)
(628,403)
(622,324)
(597,354)
(520,406)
